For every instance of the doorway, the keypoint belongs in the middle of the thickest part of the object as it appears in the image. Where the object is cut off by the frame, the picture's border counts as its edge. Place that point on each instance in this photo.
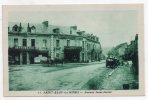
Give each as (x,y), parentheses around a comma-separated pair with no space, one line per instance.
(24,58)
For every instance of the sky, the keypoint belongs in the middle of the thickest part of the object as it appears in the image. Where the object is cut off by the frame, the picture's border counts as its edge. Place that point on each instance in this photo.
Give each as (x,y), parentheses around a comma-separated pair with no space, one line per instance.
(112,27)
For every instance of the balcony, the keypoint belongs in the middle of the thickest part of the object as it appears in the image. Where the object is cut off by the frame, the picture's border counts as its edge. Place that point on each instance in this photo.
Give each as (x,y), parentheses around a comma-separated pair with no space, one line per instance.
(23,48)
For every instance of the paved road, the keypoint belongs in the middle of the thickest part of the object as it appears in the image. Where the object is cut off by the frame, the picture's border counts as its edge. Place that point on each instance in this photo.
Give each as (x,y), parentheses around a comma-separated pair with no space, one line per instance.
(38,78)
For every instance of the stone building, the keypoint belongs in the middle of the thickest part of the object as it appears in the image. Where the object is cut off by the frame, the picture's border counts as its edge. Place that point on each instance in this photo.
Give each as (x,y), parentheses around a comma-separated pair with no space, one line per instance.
(28,41)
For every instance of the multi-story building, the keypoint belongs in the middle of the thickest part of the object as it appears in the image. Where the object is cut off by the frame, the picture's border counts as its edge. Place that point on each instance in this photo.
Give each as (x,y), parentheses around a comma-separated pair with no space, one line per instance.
(28,41)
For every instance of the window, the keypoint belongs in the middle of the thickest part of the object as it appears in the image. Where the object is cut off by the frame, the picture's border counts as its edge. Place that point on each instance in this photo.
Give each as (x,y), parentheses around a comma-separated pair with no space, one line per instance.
(68,42)
(24,42)
(15,42)
(45,42)
(33,42)
(57,43)
(57,55)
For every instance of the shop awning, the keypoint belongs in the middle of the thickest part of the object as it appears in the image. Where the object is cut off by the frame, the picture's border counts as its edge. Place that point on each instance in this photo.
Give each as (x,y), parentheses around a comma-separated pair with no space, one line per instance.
(72,48)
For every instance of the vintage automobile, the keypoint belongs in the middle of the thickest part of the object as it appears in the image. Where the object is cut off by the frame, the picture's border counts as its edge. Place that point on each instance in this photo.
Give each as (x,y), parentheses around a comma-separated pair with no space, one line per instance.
(112,62)
(40,59)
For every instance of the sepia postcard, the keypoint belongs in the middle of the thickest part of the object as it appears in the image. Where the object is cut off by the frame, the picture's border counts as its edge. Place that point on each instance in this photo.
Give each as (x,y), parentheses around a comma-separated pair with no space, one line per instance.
(73,50)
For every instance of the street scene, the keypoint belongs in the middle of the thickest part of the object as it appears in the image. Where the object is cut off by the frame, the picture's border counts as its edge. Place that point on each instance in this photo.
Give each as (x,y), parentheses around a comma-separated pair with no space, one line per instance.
(93,50)
(93,76)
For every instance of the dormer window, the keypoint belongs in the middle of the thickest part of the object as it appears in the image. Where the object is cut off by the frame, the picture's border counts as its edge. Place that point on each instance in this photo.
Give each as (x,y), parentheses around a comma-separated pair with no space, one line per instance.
(56,30)
(79,33)
(33,29)
(15,28)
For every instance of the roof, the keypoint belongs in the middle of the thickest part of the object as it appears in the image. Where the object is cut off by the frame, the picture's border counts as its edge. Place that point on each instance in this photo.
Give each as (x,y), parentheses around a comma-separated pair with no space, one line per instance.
(40,29)
(45,28)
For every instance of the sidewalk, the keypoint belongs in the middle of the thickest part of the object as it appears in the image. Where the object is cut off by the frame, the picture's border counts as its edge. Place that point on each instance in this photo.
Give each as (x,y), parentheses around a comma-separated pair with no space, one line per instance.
(117,79)
(122,78)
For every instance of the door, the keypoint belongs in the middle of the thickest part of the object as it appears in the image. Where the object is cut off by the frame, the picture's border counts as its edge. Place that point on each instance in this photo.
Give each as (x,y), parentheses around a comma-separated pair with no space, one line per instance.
(25,58)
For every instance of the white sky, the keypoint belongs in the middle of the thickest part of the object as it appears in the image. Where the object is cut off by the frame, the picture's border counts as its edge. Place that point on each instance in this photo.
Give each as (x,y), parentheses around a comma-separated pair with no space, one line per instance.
(112,27)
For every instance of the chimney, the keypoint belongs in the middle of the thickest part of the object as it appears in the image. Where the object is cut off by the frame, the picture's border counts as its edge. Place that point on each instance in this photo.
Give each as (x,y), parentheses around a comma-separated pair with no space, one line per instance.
(136,37)
(28,28)
(20,27)
(83,32)
(28,24)
(20,24)
(45,23)
(8,28)
(74,27)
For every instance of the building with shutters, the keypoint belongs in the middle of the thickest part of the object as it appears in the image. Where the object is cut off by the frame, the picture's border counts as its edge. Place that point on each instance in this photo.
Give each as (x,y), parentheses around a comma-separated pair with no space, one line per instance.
(29,41)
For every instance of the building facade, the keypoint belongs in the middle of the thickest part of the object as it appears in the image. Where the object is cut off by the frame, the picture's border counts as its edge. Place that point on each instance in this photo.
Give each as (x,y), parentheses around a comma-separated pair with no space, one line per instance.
(28,41)
(131,53)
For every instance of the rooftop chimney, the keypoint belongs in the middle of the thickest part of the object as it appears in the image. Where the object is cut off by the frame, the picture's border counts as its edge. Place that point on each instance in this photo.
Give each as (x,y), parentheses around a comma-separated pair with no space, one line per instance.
(28,28)
(20,24)
(28,24)
(45,23)
(20,27)
(74,27)
(8,28)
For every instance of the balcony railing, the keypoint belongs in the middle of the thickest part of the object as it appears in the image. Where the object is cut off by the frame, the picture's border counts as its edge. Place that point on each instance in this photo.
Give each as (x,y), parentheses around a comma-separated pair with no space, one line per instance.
(23,48)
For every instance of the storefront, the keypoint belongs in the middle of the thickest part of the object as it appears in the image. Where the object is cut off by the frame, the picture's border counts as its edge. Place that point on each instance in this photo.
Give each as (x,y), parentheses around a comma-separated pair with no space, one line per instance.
(22,55)
(72,53)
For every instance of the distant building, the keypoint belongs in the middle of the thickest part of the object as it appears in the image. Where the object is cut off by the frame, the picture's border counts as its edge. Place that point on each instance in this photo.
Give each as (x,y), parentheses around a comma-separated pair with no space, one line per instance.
(119,50)
(27,42)
(131,53)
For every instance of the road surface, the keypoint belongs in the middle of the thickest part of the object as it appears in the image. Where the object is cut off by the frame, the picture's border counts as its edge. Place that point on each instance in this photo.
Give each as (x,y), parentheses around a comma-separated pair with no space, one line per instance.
(41,78)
